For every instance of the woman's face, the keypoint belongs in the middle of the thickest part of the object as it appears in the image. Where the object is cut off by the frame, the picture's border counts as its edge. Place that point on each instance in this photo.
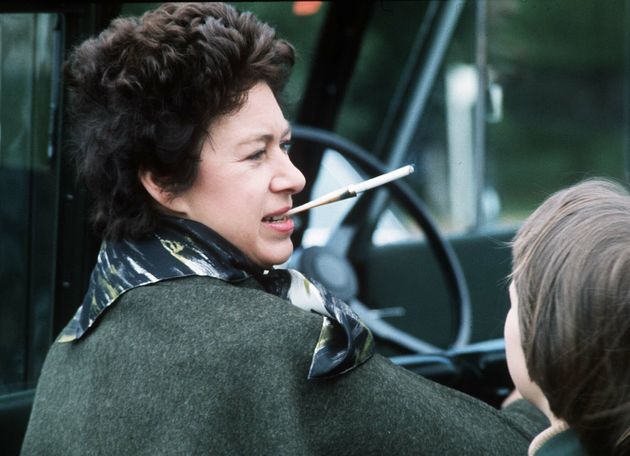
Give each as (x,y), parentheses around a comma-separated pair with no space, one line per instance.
(246,179)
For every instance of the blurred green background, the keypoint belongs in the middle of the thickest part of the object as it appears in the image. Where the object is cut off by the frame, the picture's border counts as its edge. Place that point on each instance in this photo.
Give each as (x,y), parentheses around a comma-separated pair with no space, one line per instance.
(560,64)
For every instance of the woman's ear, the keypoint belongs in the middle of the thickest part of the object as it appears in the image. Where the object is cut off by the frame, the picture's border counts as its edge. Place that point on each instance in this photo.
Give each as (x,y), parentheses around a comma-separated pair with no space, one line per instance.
(166,199)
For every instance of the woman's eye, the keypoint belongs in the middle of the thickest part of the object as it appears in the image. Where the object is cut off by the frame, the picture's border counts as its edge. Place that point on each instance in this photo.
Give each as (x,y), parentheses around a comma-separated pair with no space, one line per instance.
(258,155)
(286,146)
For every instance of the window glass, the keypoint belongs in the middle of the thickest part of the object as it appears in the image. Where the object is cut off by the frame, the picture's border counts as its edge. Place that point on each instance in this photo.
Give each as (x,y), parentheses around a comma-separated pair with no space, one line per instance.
(27,196)
(561,68)
(336,172)
(392,69)
(299,26)
(296,22)
(554,102)
(380,68)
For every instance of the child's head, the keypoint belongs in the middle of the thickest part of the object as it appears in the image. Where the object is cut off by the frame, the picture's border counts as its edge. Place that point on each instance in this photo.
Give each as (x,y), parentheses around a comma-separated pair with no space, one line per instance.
(571,278)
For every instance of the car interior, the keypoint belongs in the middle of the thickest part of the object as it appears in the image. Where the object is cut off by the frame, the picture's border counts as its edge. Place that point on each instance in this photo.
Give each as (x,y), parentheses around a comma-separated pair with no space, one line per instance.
(496,103)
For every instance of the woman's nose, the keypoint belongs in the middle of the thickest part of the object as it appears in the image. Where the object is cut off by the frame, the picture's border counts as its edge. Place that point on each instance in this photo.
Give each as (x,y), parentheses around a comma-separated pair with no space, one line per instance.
(288,178)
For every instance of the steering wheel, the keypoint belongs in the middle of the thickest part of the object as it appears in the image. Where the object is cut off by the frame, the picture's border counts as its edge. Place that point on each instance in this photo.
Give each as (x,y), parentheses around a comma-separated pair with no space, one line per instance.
(331,266)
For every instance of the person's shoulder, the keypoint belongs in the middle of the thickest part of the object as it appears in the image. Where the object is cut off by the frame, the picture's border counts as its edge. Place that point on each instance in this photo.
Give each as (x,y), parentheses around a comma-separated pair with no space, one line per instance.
(183,289)
(234,323)
(203,307)
(210,295)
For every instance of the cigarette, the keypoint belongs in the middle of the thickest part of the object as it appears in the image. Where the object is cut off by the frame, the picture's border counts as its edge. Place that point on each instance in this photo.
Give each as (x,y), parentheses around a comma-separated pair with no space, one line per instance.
(352,190)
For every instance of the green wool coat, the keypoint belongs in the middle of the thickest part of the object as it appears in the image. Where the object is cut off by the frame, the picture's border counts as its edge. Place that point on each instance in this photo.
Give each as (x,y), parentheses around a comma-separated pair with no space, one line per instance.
(197,366)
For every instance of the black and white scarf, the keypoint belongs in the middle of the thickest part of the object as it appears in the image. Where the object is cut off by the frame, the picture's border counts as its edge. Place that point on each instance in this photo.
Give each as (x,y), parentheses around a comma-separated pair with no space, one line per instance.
(184,248)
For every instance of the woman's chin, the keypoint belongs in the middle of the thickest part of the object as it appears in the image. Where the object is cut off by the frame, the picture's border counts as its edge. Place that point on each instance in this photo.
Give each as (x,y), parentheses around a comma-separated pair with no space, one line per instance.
(275,256)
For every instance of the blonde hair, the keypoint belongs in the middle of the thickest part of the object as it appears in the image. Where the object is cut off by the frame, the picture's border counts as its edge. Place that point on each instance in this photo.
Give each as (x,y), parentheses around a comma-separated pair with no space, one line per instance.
(571,269)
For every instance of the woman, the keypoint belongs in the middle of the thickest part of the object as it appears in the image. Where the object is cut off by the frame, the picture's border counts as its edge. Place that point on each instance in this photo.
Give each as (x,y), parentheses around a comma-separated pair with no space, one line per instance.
(567,333)
(188,341)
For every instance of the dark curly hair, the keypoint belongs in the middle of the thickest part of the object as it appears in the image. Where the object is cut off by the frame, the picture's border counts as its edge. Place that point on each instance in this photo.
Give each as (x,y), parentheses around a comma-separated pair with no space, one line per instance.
(143,93)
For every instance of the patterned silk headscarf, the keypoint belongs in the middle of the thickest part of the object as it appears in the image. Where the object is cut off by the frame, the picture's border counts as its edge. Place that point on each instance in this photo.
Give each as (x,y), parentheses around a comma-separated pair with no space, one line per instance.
(183,248)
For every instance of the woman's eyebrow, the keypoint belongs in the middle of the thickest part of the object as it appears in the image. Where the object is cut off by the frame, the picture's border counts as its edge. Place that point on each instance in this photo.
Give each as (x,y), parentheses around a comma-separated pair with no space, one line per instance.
(265,137)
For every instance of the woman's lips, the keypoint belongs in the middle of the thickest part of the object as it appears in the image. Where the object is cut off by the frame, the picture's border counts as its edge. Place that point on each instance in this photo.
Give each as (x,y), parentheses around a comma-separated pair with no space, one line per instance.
(280,223)
(276,216)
